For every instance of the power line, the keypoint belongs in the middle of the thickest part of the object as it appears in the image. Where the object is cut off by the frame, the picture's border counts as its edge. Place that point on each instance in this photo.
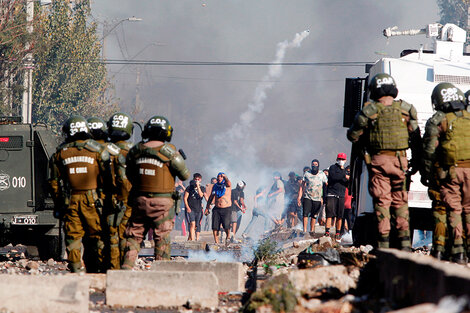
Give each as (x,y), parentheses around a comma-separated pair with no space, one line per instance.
(232,80)
(215,63)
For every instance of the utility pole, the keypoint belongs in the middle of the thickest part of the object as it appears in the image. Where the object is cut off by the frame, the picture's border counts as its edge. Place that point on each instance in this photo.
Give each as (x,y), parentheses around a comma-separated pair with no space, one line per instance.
(26,108)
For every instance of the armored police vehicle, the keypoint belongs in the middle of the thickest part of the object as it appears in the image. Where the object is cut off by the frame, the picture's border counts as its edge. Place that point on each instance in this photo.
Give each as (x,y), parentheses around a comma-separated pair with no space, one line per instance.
(26,209)
(416,73)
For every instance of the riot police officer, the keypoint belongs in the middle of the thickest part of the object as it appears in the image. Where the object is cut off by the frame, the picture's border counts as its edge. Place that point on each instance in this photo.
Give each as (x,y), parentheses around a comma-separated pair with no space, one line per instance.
(113,205)
(120,128)
(386,126)
(152,166)
(447,154)
(79,171)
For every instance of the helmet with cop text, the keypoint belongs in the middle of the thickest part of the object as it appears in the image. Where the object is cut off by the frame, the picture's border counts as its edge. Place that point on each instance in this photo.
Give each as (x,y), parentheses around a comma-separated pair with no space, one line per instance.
(75,128)
(382,85)
(446,97)
(158,128)
(120,126)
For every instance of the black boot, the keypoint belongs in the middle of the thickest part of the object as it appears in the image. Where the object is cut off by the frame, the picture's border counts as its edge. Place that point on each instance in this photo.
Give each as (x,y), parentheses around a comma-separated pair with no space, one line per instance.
(459,258)
(437,254)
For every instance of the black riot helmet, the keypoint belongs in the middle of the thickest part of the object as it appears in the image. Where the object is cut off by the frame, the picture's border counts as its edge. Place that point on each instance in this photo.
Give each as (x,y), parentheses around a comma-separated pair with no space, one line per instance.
(446,97)
(467,97)
(98,128)
(157,128)
(76,128)
(382,85)
(120,127)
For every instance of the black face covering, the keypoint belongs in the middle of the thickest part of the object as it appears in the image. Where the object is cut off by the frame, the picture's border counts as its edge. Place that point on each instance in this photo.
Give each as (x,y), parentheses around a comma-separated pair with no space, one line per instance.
(315,168)
(192,183)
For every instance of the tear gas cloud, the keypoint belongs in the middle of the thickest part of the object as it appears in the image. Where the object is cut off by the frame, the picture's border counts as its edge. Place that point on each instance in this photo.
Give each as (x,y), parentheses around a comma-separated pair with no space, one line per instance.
(251,120)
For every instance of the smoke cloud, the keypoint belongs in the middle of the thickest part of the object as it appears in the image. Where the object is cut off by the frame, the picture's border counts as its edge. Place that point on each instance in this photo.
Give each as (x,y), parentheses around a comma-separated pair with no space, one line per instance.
(267,82)
(291,118)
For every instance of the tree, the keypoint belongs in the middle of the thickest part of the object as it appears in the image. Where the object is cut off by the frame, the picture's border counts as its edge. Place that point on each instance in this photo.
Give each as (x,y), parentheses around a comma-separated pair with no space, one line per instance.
(454,11)
(69,77)
(15,44)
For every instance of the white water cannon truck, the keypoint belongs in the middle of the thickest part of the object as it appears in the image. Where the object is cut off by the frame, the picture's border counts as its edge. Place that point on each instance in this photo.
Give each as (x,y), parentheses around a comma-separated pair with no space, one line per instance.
(416,73)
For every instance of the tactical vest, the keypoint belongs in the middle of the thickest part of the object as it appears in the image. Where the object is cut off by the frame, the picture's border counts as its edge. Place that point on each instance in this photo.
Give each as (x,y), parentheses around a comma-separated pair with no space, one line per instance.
(456,143)
(388,130)
(153,173)
(80,165)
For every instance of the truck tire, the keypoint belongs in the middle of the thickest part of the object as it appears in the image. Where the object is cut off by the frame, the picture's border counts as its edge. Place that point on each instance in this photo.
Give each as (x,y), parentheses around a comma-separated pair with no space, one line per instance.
(52,247)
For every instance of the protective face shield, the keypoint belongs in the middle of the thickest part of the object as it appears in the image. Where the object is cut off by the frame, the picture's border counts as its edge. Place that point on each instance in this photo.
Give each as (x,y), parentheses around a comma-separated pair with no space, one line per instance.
(446,97)
(120,126)
(158,128)
(382,85)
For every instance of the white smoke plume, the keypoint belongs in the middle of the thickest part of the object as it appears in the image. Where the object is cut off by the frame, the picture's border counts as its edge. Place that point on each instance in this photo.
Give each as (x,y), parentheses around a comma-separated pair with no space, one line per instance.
(257,104)
(235,154)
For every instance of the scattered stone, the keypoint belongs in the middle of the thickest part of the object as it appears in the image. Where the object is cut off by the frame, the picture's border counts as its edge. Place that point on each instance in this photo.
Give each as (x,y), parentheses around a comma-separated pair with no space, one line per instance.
(32,265)
(366,249)
(335,276)
(325,242)
(22,263)
(50,262)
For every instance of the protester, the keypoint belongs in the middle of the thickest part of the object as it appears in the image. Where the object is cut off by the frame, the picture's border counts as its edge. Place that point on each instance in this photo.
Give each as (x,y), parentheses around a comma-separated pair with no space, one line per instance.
(292,187)
(193,196)
(180,217)
(238,207)
(337,181)
(310,195)
(207,219)
(276,198)
(222,211)
(259,210)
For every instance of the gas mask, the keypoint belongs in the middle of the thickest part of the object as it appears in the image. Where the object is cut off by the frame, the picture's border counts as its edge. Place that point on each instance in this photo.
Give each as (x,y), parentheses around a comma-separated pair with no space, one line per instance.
(314,169)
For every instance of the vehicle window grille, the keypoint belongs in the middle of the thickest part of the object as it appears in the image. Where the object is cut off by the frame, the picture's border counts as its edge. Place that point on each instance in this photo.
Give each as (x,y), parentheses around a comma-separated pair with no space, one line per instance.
(462,80)
(14,142)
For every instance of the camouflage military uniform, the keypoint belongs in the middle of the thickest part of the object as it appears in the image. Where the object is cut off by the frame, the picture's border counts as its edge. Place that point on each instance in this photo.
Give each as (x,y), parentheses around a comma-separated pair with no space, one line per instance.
(429,177)
(451,134)
(125,188)
(388,127)
(116,203)
(78,172)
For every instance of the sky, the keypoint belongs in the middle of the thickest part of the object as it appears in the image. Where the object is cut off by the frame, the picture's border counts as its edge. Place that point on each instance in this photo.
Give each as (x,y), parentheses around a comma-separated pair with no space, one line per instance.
(250,120)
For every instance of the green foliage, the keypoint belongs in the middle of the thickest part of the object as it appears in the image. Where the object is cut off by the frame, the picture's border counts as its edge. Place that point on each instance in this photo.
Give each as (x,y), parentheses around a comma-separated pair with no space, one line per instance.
(277,293)
(13,49)
(267,252)
(69,77)
(453,11)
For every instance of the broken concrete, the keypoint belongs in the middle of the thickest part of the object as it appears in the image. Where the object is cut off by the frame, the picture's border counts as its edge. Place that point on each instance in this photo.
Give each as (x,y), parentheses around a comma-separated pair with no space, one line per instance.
(161,288)
(414,278)
(97,281)
(336,276)
(230,275)
(48,294)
